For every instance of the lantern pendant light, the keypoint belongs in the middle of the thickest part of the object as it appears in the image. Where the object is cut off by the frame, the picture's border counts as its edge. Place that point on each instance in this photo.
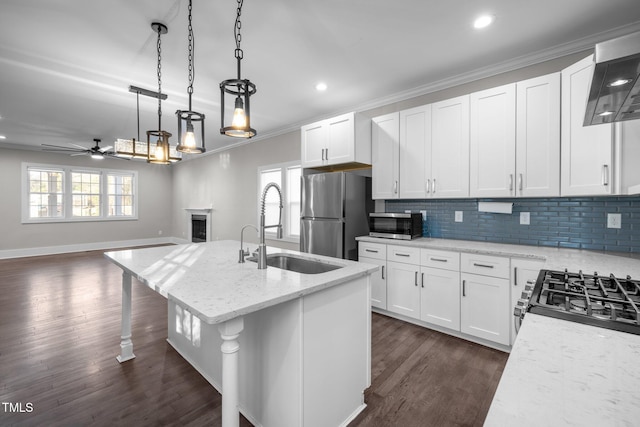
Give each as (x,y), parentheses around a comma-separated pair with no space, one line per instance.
(158,140)
(241,90)
(190,123)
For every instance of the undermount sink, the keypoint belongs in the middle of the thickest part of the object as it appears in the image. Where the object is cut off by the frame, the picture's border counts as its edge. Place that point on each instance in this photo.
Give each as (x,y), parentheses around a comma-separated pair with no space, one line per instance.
(298,264)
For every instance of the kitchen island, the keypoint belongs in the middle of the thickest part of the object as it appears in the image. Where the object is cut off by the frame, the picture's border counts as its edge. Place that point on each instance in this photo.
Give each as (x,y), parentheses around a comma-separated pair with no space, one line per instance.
(305,338)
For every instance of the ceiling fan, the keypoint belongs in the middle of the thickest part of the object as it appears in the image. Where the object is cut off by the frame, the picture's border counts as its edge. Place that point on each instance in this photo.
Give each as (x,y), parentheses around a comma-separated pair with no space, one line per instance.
(96,152)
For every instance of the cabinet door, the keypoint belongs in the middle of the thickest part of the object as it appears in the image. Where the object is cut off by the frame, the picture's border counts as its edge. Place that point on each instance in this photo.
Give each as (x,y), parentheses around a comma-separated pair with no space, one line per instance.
(378,283)
(340,139)
(415,152)
(440,297)
(403,291)
(314,138)
(385,137)
(484,308)
(585,150)
(493,142)
(523,271)
(450,148)
(538,136)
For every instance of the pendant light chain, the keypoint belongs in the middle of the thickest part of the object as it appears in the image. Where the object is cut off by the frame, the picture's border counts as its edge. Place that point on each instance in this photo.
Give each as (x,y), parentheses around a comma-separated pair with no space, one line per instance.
(191,55)
(236,30)
(159,81)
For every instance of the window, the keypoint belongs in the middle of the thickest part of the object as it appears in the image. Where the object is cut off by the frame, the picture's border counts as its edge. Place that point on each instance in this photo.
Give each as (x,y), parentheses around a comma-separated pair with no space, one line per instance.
(287,176)
(61,193)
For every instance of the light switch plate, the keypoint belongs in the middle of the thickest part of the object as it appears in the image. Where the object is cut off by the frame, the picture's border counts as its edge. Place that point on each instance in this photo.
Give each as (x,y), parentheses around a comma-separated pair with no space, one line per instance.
(458,216)
(614,220)
(525,218)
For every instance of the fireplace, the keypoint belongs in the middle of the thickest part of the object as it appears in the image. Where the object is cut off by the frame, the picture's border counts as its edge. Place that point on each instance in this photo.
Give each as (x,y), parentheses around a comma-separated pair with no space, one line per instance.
(198,225)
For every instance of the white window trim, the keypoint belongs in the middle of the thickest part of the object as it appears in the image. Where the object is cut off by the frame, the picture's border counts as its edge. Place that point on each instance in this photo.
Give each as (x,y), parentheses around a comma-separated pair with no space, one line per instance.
(68,210)
(270,233)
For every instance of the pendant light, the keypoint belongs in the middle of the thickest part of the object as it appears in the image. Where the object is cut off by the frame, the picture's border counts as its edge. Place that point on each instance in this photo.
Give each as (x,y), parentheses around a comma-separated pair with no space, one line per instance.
(158,149)
(241,90)
(190,140)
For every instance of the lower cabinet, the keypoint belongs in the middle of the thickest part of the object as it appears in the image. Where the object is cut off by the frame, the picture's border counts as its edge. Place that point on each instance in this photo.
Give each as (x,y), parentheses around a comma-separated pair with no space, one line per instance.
(403,297)
(378,283)
(440,297)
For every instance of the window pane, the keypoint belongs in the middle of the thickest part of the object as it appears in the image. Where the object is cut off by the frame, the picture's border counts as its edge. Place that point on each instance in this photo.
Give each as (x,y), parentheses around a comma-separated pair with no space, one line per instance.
(120,192)
(293,200)
(45,193)
(85,190)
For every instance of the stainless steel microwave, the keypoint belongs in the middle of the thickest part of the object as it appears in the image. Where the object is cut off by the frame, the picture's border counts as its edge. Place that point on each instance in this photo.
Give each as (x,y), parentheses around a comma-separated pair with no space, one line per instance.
(404,226)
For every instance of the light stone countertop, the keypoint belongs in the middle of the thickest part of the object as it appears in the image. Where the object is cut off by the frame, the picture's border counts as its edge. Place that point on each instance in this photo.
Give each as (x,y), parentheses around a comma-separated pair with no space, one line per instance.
(620,264)
(563,373)
(207,279)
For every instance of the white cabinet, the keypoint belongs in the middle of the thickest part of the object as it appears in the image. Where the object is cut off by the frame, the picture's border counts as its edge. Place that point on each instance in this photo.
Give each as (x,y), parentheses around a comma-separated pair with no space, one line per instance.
(515,139)
(450,148)
(484,306)
(403,290)
(375,253)
(385,140)
(342,139)
(493,142)
(523,271)
(586,151)
(538,137)
(415,152)
(440,288)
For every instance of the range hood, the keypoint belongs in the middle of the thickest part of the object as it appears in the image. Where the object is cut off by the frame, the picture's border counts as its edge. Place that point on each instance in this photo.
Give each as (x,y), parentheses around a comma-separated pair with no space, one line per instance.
(614,94)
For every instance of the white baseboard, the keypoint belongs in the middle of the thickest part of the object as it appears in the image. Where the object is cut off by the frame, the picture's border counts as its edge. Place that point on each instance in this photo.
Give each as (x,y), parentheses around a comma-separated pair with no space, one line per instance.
(81,247)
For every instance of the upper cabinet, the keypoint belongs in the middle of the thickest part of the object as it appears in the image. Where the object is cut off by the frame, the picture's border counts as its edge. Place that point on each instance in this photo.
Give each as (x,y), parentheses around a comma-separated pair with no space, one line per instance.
(338,140)
(515,139)
(450,148)
(385,142)
(415,152)
(586,150)
(493,142)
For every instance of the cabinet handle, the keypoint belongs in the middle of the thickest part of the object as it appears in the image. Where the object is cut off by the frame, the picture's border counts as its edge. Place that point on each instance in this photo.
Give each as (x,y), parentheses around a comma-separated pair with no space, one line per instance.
(326,151)
(510,182)
(428,186)
(515,276)
(383,272)
(371,250)
(482,265)
(520,182)
(434,186)
(438,259)
(401,254)
(395,187)
(464,288)
(605,174)
(323,154)
(422,280)
(416,278)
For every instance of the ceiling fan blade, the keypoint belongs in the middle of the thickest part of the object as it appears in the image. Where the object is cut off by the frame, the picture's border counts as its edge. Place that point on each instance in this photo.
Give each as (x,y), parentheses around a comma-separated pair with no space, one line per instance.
(105,149)
(57,147)
(79,154)
(79,146)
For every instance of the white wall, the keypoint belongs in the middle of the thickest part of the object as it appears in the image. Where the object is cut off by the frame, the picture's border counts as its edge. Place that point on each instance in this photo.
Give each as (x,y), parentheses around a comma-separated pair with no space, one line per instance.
(154,207)
(227,182)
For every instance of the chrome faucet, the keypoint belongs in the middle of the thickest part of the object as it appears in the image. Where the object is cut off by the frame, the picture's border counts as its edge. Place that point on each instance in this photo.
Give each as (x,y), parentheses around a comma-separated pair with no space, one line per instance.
(242,253)
(262,248)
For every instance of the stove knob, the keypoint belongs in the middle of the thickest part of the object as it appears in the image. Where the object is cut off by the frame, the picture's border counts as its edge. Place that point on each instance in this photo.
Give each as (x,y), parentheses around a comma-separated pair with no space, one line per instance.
(526,294)
(519,311)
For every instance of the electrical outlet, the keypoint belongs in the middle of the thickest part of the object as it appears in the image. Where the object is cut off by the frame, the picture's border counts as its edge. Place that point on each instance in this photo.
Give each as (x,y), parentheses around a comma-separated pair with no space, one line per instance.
(614,220)
(525,218)
(458,217)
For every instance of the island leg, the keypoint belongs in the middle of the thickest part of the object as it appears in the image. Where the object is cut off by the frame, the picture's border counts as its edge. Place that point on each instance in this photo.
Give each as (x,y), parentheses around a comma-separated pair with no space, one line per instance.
(126,345)
(230,331)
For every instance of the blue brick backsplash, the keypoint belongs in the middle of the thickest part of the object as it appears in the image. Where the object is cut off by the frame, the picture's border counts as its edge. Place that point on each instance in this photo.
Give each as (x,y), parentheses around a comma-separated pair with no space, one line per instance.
(573,222)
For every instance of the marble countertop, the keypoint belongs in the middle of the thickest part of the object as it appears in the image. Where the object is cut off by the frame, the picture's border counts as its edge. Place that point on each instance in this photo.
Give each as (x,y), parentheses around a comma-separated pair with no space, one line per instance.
(207,279)
(563,373)
(620,264)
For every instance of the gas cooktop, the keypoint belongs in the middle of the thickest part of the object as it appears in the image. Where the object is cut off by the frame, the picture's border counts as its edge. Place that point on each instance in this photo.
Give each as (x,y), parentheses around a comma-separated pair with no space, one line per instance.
(605,301)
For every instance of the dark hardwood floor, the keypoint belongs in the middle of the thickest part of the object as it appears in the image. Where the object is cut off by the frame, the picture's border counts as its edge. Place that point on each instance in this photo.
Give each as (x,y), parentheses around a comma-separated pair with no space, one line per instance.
(60,333)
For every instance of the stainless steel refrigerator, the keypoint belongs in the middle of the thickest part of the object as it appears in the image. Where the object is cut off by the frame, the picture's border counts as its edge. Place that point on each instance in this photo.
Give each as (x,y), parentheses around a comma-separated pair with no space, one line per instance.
(334,210)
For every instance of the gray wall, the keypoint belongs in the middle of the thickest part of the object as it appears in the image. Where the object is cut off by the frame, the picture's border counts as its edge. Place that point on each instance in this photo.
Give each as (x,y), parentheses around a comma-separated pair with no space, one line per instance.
(154,212)
(227,182)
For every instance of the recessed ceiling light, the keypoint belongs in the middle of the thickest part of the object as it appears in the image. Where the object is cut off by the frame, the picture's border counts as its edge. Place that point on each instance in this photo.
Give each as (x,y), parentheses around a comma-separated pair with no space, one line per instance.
(321,87)
(483,21)
(3,137)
